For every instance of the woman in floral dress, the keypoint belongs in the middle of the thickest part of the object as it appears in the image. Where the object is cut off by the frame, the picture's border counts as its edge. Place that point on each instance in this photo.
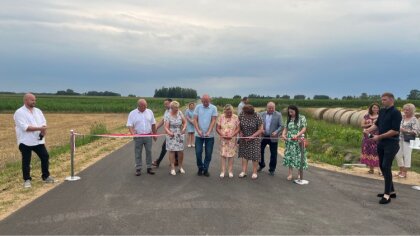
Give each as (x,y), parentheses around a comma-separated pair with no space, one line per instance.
(175,125)
(227,127)
(294,129)
(369,147)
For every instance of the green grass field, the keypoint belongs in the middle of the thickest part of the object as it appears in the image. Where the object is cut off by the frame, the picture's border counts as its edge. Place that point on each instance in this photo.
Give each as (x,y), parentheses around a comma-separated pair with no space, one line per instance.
(84,104)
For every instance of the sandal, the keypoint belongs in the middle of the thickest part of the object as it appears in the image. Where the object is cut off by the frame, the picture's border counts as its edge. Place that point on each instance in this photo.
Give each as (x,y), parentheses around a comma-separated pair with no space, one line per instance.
(370,172)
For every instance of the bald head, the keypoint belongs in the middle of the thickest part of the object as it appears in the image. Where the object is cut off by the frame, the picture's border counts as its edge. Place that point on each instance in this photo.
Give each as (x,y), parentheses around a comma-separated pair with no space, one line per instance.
(271,107)
(205,99)
(142,105)
(29,100)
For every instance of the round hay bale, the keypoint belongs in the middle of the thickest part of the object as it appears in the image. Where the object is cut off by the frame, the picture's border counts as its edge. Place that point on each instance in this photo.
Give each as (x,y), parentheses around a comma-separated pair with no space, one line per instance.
(329,115)
(338,115)
(319,113)
(345,118)
(356,118)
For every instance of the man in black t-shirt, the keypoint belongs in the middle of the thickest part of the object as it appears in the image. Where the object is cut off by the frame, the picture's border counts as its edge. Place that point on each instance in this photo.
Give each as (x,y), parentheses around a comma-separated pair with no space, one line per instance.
(388,125)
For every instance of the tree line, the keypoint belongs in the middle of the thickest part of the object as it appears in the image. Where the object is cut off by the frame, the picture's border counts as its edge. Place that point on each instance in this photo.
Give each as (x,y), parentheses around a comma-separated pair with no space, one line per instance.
(175,92)
(413,95)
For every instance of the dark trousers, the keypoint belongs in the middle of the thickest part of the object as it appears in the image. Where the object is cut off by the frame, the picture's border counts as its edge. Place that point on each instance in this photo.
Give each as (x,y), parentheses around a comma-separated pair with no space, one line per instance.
(386,151)
(42,153)
(163,153)
(209,143)
(273,153)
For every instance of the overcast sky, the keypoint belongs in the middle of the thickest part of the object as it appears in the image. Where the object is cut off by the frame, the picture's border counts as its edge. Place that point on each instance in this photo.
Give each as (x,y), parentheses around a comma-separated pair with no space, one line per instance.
(226,47)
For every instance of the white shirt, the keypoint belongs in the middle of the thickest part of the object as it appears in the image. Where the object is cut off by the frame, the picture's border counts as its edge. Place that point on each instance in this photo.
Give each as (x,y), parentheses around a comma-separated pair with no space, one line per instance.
(23,119)
(268,123)
(141,121)
(240,107)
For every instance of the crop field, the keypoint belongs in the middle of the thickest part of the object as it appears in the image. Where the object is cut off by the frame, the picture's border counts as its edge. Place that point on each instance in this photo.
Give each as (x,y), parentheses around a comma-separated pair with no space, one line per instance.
(59,126)
(83,104)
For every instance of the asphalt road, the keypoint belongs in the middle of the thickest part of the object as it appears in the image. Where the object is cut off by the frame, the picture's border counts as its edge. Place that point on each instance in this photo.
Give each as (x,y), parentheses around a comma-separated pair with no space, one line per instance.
(110,199)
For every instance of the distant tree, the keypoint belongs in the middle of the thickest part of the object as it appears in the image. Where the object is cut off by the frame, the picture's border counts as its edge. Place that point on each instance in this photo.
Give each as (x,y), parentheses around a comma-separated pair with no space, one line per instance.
(299,97)
(105,93)
(414,95)
(67,92)
(237,97)
(348,97)
(375,97)
(285,97)
(175,92)
(132,95)
(321,97)
(364,96)
(252,95)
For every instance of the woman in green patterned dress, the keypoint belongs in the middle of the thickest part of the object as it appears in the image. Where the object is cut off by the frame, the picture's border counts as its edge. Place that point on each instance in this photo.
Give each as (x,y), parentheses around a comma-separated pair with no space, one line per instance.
(295,127)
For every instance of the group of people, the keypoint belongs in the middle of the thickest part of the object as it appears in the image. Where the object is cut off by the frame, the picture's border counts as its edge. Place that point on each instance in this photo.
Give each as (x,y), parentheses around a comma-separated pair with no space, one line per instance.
(245,134)
(386,134)
(409,129)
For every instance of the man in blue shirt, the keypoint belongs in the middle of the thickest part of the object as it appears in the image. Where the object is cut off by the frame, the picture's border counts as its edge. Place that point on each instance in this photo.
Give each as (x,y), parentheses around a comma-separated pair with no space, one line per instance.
(205,115)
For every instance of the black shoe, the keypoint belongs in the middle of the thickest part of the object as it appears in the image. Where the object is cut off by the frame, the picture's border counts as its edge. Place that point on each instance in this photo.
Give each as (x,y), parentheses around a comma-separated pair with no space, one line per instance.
(271,173)
(150,172)
(392,195)
(260,169)
(200,172)
(138,172)
(155,164)
(384,201)
(206,173)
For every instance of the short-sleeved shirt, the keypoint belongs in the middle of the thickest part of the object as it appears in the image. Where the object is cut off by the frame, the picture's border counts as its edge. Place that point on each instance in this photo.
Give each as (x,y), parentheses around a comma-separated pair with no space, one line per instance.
(141,121)
(205,115)
(389,119)
(23,119)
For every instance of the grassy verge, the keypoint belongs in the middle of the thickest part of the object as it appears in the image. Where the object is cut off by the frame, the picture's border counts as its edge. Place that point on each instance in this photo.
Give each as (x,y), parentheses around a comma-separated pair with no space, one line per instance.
(12,170)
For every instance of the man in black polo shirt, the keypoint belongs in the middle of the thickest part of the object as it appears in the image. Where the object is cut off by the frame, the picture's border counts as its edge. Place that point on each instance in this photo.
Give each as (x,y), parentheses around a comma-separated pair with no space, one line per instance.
(388,125)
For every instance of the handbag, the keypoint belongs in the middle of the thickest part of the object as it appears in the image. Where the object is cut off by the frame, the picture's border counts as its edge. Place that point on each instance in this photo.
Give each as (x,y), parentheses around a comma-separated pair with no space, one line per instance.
(408,137)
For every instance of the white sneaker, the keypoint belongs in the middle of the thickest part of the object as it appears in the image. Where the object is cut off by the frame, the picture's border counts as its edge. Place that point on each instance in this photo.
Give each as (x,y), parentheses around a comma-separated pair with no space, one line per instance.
(193,145)
(189,145)
(222,175)
(242,175)
(254,176)
(230,175)
(173,172)
(27,184)
(182,170)
(49,180)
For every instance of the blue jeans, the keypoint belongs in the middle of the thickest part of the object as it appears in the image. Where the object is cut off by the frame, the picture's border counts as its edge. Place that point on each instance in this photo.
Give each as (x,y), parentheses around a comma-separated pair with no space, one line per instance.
(209,142)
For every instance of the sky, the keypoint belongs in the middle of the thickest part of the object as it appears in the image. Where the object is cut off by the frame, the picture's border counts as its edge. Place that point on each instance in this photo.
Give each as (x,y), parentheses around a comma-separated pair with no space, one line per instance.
(219,47)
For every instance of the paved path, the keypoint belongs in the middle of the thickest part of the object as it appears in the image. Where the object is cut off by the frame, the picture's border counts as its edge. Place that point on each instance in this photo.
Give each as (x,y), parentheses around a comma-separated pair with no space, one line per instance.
(111,200)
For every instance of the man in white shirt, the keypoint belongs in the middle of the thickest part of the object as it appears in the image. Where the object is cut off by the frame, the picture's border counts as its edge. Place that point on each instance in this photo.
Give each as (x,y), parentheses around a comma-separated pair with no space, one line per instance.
(31,129)
(242,104)
(142,121)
